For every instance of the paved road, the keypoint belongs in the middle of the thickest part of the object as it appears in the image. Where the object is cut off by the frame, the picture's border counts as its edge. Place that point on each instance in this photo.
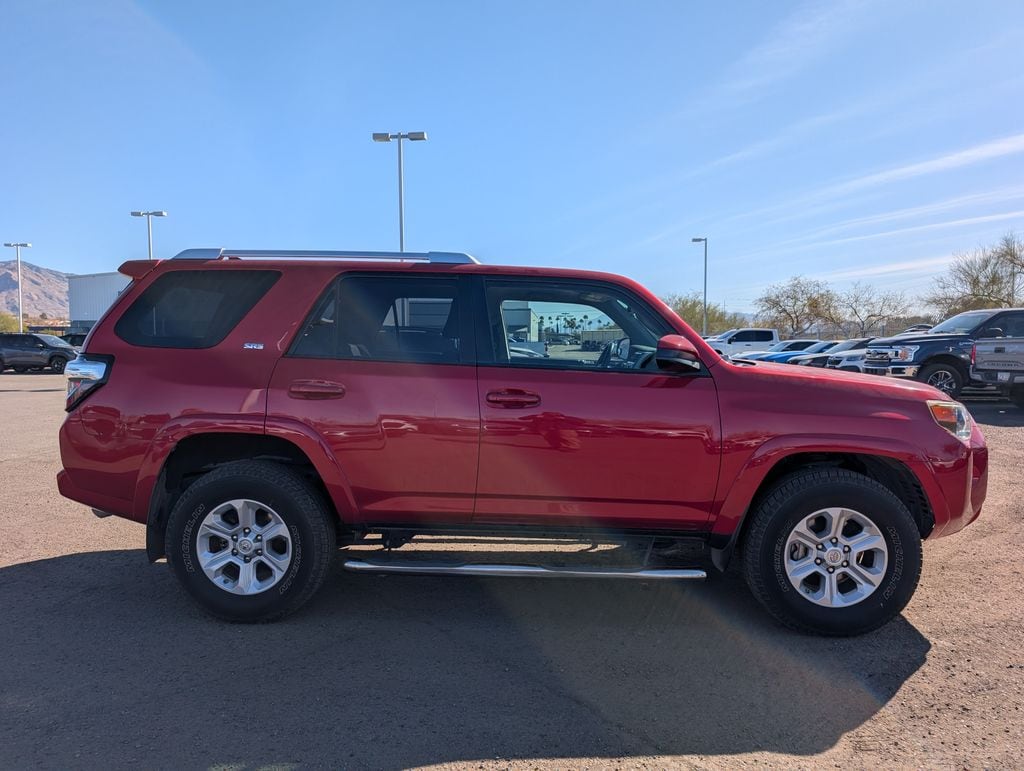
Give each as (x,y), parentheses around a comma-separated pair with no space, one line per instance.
(107,664)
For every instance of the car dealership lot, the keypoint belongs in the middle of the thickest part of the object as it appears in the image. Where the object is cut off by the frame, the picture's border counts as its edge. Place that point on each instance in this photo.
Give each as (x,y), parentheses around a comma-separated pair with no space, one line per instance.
(107,663)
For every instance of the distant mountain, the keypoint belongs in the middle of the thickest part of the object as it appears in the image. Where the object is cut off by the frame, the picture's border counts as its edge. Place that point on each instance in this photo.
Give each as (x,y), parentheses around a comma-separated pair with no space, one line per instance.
(44,290)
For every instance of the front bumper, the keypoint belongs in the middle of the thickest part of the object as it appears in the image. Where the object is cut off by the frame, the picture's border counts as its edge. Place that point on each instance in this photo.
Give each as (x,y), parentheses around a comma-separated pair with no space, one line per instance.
(892,370)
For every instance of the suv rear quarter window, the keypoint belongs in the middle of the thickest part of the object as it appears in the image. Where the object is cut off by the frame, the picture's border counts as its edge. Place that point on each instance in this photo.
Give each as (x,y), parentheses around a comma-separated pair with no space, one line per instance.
(192,308)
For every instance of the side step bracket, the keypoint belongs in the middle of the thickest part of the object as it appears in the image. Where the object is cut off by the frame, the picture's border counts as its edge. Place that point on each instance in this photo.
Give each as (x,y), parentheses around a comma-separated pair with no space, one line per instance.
(519,571)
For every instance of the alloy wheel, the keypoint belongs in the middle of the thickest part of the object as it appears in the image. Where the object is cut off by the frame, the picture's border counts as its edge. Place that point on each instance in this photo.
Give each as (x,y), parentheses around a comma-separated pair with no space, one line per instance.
(244,547)
(836,557)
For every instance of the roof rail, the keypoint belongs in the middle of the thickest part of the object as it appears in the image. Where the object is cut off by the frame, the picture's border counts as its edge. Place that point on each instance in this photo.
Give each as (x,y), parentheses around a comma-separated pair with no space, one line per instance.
(456,258)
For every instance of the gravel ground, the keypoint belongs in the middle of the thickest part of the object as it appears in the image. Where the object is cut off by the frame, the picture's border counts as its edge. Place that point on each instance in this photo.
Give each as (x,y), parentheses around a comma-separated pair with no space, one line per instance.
(107,664)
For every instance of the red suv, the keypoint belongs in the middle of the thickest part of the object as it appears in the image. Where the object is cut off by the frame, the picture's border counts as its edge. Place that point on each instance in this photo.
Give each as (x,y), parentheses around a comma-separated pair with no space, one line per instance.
(257,411)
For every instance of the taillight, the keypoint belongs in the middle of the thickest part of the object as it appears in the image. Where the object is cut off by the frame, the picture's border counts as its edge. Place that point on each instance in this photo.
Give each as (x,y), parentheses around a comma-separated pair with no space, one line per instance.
(974,353)
(85,374)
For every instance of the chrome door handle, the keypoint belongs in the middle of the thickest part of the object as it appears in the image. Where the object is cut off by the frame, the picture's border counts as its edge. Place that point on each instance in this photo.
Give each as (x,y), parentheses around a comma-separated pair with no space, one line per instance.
(513,398)
(315,389)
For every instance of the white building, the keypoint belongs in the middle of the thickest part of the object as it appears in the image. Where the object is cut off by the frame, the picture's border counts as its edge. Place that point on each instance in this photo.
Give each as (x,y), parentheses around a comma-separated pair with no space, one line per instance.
(90,295)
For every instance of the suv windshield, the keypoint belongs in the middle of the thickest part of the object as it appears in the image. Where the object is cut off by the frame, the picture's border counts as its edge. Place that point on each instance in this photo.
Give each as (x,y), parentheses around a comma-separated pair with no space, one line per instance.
(849,345)
(56,342)
(961,323)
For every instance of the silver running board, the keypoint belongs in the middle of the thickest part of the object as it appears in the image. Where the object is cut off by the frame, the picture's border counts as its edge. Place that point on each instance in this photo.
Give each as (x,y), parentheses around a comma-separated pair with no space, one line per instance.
(521,571)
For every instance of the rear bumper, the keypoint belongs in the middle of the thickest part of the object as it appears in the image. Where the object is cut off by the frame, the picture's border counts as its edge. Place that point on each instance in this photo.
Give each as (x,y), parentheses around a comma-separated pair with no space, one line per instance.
(93,500)
(1000,378)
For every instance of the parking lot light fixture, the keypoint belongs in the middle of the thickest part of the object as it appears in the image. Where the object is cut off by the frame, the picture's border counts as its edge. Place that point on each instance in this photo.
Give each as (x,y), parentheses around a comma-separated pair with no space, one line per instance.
(704,324)
(412,136)
(18,246)
(149,224)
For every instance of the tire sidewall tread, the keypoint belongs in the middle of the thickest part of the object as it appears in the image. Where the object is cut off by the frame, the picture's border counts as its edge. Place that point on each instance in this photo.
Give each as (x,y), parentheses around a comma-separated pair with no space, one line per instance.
(800,494)
(303,510)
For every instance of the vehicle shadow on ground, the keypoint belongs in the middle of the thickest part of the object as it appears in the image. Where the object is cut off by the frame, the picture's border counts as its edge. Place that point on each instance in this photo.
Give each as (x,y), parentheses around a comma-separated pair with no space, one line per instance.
(1003,414)
(108,662)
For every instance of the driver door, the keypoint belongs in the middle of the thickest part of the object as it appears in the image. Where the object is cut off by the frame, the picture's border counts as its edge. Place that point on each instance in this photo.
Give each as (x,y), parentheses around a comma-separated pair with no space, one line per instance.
(588,433)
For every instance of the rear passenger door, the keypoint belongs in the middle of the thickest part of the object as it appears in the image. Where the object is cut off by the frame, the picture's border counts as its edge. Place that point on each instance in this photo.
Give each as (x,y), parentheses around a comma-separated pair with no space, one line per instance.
(383,371)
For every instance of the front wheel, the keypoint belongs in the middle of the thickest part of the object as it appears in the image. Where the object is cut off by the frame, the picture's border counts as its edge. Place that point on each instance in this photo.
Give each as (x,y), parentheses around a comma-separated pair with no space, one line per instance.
(57,364)
(946,377)
(832,552)
(251,541)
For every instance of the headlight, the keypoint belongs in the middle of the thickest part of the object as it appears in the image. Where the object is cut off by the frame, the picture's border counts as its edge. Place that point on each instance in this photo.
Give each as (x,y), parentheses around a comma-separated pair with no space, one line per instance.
(904,352)
(953,417)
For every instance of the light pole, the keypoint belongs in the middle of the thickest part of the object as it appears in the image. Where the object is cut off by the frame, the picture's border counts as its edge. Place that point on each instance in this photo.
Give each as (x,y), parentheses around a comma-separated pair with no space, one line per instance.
(149,224)
(412,136)
(704,326)
(17,251)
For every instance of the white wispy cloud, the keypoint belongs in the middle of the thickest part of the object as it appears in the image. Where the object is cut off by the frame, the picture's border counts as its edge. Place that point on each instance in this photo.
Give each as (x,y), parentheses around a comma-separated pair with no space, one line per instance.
(986,198)
(964,221)
(809,33)
(986,151)
(919,266)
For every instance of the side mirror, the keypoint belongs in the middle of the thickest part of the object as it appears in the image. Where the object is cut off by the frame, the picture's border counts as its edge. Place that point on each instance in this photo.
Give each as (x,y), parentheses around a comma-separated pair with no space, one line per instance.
(995,332)
(676,353)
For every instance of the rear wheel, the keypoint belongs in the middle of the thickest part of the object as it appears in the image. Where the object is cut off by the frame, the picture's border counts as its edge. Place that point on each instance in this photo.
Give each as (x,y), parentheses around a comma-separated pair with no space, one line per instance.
(1017,396)
(947,377)
(57,364)
(832,552)
(251,541)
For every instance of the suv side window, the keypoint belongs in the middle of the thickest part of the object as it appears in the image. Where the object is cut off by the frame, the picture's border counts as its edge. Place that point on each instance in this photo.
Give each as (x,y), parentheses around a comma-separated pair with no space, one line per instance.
(762,336)
(385,318)
(569,325)
(192,308)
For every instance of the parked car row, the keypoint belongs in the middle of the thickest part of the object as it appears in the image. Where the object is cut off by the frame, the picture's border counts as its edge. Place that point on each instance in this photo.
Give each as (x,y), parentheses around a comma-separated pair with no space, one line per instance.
(975,348)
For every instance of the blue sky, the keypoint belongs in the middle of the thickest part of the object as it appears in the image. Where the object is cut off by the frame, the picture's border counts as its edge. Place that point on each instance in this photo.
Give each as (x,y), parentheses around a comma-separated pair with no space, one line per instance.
(842,140)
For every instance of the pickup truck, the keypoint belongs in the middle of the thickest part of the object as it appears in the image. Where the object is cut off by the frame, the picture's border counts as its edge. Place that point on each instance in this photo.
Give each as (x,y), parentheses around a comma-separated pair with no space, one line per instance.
(1000,362)
(941,356)
(746,340)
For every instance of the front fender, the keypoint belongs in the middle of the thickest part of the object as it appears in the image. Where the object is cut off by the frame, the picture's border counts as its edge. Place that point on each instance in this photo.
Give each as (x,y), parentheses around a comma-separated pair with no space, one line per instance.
(740,487)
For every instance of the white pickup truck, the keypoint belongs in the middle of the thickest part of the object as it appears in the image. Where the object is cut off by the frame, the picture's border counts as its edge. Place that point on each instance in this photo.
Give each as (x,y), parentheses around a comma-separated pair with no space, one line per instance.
(743,340)
(999,361)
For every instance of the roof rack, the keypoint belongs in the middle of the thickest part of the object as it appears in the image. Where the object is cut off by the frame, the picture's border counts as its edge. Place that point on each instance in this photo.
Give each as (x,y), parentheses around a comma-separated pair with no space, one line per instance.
(451,258)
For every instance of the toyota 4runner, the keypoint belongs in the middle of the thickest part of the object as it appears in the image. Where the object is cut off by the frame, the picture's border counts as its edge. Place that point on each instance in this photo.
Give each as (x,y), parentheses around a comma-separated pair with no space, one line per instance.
(260,411)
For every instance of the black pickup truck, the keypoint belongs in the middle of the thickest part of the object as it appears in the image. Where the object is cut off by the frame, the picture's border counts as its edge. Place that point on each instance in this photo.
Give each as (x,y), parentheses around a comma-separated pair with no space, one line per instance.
(941,356)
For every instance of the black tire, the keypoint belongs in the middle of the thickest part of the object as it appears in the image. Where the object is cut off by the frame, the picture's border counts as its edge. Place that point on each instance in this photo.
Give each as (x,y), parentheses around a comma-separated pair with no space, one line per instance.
(58,363)
(943,373)
(798,496)
(311,526)
(1017,396)
(20,370)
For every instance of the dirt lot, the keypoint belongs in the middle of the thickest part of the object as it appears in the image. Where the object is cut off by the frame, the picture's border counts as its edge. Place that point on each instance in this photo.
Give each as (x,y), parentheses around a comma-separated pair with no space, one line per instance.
(106,663)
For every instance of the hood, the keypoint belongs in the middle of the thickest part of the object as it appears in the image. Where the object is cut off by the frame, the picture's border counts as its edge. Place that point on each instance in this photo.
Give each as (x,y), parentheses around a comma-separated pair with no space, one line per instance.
(842,384)
(915,338)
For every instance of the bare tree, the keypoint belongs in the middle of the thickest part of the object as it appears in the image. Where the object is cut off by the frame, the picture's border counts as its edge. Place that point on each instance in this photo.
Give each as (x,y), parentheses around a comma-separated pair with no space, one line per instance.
(690,308)
(988,277)
(865,309)
(798,305)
